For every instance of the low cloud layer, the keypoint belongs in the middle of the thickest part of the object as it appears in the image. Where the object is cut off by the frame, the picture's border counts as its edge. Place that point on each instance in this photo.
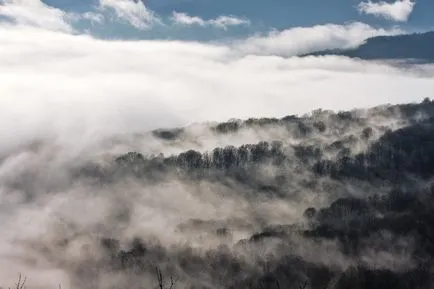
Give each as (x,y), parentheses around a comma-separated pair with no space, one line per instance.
(301,40)
(397,11)
(78,83)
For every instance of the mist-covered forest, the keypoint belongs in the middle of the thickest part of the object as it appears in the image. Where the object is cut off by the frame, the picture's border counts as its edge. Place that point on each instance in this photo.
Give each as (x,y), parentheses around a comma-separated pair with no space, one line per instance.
(324,200)
(182,144)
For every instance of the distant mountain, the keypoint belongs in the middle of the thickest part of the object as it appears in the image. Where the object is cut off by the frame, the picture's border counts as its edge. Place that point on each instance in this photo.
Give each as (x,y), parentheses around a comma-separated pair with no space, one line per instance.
(418,47)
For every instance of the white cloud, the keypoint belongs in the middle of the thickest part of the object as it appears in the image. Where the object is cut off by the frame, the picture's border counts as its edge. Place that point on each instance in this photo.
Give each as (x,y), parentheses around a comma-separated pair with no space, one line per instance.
(35,13)
(74,84)
(398,11)
(301,40)
(221,22)
(93,17)
(133,12)
(185,19)
(225,21)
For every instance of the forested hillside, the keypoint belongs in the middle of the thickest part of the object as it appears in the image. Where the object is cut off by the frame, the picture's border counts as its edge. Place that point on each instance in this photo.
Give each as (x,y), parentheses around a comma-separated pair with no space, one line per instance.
(417,47)
(334,200)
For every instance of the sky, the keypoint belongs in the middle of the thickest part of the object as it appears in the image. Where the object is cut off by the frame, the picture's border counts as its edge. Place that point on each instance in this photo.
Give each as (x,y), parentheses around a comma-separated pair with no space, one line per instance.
(155,19)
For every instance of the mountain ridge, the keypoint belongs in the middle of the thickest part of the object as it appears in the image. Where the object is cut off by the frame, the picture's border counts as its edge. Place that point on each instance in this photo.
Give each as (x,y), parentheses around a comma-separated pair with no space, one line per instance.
(417,47)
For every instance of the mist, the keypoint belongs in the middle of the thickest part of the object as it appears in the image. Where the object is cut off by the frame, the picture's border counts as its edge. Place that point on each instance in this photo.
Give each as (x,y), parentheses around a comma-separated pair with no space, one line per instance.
(69,102)
(55,83)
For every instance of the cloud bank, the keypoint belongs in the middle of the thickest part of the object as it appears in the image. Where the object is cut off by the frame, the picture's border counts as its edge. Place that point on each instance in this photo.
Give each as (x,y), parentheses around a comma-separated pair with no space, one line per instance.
(78,85)
(300,40)
(397,11)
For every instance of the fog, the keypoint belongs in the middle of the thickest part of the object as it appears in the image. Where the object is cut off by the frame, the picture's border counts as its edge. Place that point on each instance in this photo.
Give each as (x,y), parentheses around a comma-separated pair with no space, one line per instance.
(74,84)
(70,99)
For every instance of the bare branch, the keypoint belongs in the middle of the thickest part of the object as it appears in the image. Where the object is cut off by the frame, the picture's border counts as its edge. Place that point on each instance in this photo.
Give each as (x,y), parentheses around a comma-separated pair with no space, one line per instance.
(304,286)
(277,284)
(172,282)
(160,279)
(21,282)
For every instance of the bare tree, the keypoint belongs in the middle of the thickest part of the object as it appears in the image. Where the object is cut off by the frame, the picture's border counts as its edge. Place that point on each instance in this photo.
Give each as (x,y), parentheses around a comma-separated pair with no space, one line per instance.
(21,282)
(161,282)
(304,285)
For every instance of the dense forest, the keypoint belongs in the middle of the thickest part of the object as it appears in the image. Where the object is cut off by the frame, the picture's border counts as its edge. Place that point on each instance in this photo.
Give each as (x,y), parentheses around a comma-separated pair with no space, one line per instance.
(371,227)
(336,200)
